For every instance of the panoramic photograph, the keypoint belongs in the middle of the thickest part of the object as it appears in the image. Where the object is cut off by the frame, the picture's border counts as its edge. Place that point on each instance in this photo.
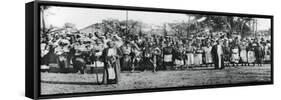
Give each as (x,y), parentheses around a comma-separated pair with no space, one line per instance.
(87,50)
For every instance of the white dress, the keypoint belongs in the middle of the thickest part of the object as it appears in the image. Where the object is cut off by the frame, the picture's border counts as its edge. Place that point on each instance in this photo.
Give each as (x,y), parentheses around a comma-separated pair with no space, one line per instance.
(251,57)
(198,57)
(208,55)
(190,56)
(235,55)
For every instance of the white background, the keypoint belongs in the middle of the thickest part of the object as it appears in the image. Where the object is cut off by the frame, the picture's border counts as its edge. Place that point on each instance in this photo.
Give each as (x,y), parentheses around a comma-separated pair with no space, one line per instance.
(12,53)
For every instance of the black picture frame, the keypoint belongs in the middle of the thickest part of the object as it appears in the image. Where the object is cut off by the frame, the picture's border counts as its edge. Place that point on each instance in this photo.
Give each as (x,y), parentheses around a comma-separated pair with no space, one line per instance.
(32,71)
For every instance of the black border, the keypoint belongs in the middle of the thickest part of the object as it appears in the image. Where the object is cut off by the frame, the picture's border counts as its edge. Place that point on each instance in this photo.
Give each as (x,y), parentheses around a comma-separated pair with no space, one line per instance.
(36,49)
(29,80)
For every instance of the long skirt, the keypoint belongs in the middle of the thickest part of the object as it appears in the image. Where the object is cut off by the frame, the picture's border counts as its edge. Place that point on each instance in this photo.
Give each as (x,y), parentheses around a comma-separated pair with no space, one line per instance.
(190,59)
(243,55)
(251,57)
(168,61)
(111,74)
(198,59)
(63,62)
(79,64)
(266,57)
(126,62)
(235,56)
(208,58)
(219,62)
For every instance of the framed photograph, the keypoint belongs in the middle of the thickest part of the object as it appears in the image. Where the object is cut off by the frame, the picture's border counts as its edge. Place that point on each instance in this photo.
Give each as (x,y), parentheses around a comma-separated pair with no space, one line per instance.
(78,49)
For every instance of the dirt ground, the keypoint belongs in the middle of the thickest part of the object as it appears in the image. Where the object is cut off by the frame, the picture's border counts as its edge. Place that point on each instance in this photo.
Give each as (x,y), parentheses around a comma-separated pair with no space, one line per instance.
(60,83)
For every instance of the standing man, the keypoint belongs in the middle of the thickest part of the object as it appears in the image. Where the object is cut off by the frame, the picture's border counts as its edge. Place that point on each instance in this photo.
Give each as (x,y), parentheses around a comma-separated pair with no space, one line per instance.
(217,54)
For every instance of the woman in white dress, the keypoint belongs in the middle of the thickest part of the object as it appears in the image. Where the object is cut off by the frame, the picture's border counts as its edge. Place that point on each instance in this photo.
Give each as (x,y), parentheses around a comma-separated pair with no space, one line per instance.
(198,56)
(235,55)
(208,55)
(243,53)
(251,53)
(189,55)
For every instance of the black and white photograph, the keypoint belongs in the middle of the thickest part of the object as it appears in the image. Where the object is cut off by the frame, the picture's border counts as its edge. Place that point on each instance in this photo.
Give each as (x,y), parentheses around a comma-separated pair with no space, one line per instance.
(88,50)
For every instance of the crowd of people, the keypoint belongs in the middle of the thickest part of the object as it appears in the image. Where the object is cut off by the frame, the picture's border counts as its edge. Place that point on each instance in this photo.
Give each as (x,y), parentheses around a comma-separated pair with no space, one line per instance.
(144,52)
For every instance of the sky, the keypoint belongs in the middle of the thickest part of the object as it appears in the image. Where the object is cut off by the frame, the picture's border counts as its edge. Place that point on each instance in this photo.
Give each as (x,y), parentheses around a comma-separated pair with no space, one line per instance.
(83,17)
(263,24)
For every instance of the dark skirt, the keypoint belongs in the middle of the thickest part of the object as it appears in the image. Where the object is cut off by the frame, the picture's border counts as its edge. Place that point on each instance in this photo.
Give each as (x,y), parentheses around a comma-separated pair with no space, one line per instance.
(216,62)
(126,62)
(117,71)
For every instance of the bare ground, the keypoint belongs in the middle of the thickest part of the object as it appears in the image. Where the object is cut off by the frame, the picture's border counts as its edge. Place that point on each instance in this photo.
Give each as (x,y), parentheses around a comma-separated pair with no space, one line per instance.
(59,83)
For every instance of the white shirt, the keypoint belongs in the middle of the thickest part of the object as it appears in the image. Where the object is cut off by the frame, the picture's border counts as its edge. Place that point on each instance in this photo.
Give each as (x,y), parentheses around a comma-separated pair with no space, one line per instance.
(111,52)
